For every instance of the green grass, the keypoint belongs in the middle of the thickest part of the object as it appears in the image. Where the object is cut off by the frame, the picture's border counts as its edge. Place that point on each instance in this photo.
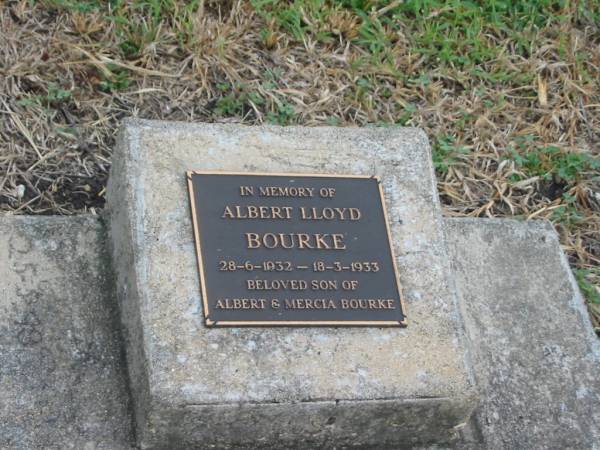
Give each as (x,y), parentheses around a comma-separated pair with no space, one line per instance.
(552,163)
(445,151)
(587,287)
(137,22)
(54,96)
(115,80)
(453,34)
(242,100)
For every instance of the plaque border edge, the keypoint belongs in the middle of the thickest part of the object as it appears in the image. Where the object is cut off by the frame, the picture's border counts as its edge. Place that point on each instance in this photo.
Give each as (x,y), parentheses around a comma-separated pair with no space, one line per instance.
(291,323)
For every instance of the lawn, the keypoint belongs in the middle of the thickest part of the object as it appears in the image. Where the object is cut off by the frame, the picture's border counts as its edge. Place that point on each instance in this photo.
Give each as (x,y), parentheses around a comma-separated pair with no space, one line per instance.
(507,91)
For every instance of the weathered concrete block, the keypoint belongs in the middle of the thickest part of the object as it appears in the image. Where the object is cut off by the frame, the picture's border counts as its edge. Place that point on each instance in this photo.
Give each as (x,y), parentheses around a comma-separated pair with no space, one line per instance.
(535,355)
(62,384)
(281,386)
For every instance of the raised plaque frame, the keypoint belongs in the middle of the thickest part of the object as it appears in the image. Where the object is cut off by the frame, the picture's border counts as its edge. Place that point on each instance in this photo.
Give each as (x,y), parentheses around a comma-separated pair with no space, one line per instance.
(290,323)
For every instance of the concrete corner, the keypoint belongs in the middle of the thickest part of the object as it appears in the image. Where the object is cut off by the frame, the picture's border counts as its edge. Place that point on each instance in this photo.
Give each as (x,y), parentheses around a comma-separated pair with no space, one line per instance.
(62,383)
(535,356)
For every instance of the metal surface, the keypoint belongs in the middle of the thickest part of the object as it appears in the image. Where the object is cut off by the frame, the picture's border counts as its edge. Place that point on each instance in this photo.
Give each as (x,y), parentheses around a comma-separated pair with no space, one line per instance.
(294,250)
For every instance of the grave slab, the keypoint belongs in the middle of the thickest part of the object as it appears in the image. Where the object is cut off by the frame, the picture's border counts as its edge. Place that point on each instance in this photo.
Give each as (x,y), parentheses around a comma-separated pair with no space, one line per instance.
(62,381)
(535,355)
(192,385)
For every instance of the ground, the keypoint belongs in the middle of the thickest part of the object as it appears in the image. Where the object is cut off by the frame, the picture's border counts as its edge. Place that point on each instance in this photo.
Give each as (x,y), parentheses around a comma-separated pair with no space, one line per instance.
(508,92)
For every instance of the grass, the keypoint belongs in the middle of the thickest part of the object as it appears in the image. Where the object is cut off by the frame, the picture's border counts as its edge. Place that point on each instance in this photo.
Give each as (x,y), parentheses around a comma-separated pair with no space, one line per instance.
(508,92)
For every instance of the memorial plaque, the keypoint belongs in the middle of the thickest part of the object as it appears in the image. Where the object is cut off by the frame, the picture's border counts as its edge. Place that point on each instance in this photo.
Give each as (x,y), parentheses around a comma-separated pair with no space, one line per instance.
(294,250)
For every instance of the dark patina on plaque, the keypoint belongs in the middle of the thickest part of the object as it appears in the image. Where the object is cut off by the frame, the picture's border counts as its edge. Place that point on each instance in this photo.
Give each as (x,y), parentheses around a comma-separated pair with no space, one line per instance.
(294,250)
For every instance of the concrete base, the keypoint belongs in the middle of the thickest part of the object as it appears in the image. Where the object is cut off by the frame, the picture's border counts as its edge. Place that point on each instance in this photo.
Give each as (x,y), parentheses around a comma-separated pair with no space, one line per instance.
(62,381)
(62,384)
(280,386)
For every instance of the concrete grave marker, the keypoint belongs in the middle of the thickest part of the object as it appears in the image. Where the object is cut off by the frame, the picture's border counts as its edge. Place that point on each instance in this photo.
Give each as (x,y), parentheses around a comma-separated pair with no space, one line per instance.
(245,386)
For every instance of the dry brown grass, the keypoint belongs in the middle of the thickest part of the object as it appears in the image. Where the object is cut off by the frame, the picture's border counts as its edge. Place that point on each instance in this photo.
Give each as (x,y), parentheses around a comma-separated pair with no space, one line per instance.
(67,80)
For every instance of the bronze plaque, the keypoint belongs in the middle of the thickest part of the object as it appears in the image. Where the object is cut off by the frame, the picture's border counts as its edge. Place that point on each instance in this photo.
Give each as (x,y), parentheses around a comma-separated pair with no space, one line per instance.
(294,250)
